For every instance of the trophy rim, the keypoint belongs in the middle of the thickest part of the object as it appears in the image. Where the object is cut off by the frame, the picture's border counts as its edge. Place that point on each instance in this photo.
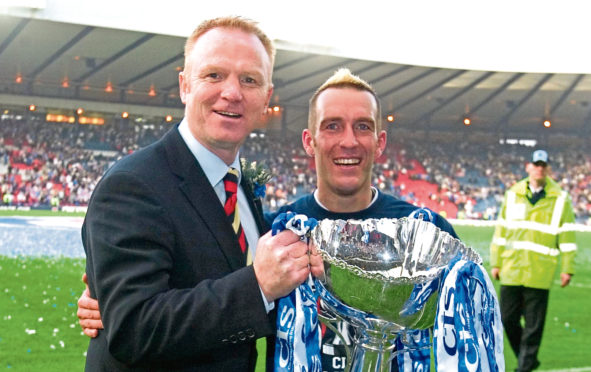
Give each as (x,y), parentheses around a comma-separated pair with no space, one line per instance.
(467,253)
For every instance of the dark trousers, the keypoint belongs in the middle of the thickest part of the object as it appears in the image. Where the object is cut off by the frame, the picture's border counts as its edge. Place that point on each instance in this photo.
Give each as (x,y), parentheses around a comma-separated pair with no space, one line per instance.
(532,304)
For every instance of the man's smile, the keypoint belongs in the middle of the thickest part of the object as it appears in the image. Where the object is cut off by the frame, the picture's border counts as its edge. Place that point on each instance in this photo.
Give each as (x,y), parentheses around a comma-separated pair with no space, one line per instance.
(347,161)
(228,114)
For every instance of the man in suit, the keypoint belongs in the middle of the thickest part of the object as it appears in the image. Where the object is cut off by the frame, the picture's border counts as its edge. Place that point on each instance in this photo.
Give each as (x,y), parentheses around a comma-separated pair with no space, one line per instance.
(166,254)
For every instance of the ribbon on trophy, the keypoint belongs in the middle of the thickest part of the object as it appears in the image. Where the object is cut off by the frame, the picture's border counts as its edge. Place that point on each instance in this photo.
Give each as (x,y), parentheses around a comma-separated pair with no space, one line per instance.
(468,335)
(416,347)
(297,347)
(424,214)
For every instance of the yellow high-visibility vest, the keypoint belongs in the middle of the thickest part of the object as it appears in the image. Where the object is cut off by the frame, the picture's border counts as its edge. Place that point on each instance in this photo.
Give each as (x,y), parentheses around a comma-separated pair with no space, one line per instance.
(529,239)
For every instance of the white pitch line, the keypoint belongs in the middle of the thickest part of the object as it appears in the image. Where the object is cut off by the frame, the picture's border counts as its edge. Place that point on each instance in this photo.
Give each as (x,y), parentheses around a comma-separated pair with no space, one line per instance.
(575,284)
(580,369)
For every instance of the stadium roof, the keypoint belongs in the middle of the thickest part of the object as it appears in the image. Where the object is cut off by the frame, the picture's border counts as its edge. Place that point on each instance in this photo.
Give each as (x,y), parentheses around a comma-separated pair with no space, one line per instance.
(67,65)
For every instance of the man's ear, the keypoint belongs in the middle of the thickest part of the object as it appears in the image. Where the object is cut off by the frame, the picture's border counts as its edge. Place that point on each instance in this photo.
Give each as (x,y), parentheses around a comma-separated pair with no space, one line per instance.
(183,86)
(269,95)
(382,139)
(308,142)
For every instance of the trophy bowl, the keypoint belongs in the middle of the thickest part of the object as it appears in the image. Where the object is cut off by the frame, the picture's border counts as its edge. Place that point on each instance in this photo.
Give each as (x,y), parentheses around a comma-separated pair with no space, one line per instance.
(382,277)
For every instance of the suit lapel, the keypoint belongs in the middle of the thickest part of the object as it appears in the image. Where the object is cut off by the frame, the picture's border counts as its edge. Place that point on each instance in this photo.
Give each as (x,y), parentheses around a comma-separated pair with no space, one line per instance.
(255,206)
(196,187)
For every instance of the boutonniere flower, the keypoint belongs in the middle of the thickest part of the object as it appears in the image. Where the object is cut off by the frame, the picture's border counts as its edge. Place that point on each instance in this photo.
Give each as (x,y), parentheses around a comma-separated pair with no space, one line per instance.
(256,175)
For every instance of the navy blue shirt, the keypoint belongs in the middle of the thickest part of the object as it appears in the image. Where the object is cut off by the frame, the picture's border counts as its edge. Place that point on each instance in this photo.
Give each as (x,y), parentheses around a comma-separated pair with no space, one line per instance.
(386,206)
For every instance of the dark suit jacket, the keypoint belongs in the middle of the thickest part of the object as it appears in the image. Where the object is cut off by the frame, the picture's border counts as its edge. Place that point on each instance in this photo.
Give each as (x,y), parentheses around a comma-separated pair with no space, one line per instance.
(163,261)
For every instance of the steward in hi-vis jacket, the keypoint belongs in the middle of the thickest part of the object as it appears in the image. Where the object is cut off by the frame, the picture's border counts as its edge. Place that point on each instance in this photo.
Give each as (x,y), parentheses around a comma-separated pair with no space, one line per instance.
(529,238)
(534,229)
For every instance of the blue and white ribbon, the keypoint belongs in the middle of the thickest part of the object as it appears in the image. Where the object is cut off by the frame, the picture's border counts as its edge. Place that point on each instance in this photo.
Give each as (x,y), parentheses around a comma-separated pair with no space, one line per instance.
(424,214)
(468,335)
(419,296)
(417,351)
(297,348)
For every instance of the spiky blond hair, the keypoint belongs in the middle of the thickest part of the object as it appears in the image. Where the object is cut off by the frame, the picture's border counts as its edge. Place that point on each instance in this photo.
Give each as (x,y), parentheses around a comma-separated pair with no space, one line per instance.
(343,78)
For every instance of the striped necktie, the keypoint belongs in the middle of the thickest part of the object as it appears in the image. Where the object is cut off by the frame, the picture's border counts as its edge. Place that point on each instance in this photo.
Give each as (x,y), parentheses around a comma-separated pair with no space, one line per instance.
(231,206)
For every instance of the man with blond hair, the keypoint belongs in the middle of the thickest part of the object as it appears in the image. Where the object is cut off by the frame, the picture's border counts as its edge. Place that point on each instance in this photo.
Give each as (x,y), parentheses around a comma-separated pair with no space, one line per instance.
(169,229)
(345,138)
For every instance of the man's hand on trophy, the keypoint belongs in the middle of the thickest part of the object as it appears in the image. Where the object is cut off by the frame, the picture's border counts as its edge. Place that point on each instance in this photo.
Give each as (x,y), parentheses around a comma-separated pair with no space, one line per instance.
(281,263)
(494,272)
(302,226)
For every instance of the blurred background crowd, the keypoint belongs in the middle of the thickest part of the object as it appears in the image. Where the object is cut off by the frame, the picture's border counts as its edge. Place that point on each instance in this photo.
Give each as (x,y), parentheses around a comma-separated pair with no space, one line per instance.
(53,165)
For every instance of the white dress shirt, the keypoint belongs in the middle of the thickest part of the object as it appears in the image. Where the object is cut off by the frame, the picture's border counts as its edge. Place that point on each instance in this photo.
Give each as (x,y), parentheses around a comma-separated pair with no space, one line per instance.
(215,170)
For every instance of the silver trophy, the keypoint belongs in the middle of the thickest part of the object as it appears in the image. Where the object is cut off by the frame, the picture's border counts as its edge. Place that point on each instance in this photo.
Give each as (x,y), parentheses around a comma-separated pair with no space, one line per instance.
(381,276)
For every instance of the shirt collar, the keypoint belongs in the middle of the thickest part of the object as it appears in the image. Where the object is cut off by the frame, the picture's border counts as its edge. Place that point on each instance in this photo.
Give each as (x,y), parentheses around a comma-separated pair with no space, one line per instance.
(215,169)
(374,192)
(534,190)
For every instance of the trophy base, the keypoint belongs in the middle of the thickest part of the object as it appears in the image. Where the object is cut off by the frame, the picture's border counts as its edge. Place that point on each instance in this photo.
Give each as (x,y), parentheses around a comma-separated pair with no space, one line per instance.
(371,354)
(373,350)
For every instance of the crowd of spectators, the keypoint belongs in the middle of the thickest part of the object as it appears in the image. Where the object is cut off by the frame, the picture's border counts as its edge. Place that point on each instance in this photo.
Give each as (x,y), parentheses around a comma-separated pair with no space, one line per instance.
(55,164)
(50,165)
(460,179)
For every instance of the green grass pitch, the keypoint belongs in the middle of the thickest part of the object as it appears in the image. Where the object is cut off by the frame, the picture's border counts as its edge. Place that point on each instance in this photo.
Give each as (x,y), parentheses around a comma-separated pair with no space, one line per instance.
(39,328)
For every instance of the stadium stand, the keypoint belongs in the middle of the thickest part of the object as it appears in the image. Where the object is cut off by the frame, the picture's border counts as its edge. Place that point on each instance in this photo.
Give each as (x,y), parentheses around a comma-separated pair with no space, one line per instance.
(52,165)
